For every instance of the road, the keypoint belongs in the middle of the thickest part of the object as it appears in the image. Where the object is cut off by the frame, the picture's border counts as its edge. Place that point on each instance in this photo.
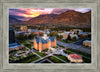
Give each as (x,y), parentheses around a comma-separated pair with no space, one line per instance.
(74,46)
(81,41)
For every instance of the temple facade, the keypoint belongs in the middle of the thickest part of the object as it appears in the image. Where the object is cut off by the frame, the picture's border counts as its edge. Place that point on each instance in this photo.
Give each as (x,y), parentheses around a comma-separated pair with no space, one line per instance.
(44,42)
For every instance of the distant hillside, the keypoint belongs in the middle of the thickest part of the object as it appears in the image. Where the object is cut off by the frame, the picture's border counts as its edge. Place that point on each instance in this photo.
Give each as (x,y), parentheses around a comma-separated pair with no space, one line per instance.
(69,18)
(73,19)
(42,19)
(12,19)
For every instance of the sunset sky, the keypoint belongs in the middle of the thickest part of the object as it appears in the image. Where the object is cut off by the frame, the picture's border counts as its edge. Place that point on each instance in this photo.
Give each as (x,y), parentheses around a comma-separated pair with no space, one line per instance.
(26,14)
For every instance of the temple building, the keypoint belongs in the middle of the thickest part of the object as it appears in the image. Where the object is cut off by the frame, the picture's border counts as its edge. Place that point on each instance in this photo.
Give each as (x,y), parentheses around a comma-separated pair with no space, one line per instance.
(44,42)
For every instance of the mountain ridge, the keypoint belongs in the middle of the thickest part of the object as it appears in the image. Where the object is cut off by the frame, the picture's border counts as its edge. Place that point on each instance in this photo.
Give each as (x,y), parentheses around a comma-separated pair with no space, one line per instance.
(69,18)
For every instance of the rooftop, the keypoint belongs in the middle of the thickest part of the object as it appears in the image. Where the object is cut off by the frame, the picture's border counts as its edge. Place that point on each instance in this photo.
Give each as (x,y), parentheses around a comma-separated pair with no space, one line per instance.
(45,40)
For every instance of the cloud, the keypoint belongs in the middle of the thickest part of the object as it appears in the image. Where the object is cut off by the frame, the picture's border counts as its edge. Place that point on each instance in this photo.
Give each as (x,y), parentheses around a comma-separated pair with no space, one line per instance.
(58,11)
(83,10)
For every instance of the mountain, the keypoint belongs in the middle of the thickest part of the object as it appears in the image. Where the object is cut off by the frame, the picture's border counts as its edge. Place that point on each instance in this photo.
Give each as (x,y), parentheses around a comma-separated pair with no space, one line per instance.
(42,19)
(12,19)
(73,19)
(68,18)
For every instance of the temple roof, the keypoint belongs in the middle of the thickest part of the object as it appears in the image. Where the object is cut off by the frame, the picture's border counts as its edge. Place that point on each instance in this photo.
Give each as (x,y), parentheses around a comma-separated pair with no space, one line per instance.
(45,41)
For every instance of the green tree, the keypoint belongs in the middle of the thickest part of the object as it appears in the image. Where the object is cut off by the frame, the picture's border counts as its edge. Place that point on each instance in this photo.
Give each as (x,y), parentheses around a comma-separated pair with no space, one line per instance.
(21,37)
(60,36)
(31,36)
(74,39)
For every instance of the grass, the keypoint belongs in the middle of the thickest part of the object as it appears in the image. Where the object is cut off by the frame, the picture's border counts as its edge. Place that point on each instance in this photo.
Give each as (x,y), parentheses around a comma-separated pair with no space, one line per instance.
(45,50)
(31,59)
(28,59)
(29,46)
(62,57)
(40,53)
(55,60)
(60,46)
(68,52)
(86,60)
(27,43)
(68,41)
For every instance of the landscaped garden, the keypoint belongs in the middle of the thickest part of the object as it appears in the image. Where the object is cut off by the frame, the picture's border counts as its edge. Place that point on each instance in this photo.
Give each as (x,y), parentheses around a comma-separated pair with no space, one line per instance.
(29,58)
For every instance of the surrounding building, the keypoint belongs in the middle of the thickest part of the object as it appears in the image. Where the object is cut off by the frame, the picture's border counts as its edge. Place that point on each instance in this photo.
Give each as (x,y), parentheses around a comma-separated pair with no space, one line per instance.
(23,28)
(11,35)
(87,43)
(60,34)
(75,58)
(74,35)
(44,42)
(83,35)
(15,46)
(76,31)
(12,42)
(65,35)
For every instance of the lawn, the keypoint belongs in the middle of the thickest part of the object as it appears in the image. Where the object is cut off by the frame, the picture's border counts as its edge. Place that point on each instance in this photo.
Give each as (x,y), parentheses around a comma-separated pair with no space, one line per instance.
(27,43)
(86,60)
(62,57)
(45,50)
(60,46)
(68,41)
(28,59)
(31,59)
(55,60)
(40,53)
(67,52)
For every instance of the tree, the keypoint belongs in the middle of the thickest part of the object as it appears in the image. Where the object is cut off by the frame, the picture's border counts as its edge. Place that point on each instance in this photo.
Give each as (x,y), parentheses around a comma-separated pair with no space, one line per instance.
(31,36)
(21,37)
(69,38)
(74,39)
(60,36)
(66,40)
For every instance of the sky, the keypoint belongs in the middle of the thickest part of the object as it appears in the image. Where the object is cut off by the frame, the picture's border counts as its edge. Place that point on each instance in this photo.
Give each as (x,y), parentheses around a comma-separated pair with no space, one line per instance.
(26,14)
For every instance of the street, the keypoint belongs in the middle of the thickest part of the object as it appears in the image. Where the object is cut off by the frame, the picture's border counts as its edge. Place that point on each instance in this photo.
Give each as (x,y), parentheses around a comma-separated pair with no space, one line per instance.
(74,46)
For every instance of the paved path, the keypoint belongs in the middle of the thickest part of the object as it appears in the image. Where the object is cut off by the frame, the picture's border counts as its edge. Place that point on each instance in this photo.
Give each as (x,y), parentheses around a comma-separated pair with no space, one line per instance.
(74,46)
(40,59)
(45,60)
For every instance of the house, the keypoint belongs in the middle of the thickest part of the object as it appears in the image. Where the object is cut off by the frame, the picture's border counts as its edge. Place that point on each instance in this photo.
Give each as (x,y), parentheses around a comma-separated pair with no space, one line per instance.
(87,43)
(23,28)
(83,35)
(65,35)
(74,35)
